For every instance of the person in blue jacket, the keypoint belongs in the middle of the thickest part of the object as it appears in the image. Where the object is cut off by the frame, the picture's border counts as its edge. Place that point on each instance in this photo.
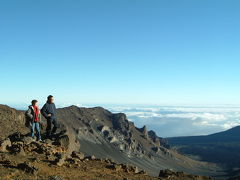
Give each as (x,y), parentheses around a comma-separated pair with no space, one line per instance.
(49,112)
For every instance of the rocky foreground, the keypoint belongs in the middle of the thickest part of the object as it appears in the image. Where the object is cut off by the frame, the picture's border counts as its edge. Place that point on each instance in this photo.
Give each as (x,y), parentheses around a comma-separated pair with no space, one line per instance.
(23,158)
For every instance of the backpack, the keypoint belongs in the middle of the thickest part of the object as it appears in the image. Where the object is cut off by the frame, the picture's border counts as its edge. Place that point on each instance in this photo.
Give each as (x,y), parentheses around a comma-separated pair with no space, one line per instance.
(28,120)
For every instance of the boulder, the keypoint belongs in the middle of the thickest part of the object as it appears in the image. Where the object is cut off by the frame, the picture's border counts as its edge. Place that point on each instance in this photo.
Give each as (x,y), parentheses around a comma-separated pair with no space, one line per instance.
(22,152)
(48,141)
(112,139)
(143,172)
(115,167)
(122,147)
(27,140)
(60,160)
(104,128)
(5,145)
(17,147)
(78,155)
(136,170)
(169,174)
(64,141)
(165,173)
(90,158)
(17,136)
(27,167)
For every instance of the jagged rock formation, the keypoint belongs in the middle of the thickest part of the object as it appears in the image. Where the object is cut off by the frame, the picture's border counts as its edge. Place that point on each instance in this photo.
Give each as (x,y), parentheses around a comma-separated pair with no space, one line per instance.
(107,135)
(144,131)
(97,125)
(157,140)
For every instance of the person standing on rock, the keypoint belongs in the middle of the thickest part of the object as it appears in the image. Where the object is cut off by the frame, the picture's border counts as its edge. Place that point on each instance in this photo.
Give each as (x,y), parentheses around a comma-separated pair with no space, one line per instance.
(33,113)
(49,112)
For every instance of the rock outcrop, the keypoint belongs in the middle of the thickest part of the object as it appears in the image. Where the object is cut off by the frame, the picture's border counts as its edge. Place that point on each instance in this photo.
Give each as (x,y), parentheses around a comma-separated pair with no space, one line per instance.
(5,144)
(11,121)
(180,175)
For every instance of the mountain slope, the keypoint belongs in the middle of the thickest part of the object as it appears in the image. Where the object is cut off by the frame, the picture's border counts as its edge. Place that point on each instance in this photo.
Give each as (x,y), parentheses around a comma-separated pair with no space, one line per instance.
(11,121)
(105,134)
(222,148)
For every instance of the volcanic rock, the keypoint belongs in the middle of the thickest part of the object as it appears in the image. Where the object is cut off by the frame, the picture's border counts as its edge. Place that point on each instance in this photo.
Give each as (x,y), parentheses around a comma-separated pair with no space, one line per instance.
(5,144)
(61,160)
(78,155)
(27,167)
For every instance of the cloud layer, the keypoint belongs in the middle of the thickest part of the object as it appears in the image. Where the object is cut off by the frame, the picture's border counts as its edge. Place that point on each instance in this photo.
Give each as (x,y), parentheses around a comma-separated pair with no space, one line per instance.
(170,121)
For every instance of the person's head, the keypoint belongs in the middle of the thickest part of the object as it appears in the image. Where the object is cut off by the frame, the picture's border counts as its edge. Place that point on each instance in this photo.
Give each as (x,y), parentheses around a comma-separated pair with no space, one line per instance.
(34,102)
(50,99)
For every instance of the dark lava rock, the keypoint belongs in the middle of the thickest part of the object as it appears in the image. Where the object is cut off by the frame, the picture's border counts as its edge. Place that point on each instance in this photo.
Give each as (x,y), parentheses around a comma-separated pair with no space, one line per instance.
(165,173)
(27,167)
(144,131)
(60,160)
(17,136)
(142,172)
(78,155)
(115,167)
(175,175)
(121,123)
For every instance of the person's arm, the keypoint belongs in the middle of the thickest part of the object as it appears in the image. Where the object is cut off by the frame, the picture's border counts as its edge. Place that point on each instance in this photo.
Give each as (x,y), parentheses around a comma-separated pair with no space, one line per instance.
(44,111)
(40,117)
(29,114)
(55,111)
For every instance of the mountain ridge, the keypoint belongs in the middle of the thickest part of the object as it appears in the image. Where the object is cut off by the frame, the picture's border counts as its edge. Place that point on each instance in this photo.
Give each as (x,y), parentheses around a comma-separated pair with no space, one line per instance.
(221,148)
(97,131)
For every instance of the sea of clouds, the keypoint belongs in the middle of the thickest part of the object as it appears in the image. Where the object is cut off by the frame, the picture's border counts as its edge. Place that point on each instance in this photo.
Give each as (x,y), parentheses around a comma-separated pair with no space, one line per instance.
(170,121)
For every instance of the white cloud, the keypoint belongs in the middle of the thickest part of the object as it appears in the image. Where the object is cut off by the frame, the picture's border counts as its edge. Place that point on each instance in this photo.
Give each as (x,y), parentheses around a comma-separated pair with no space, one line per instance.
(180,121)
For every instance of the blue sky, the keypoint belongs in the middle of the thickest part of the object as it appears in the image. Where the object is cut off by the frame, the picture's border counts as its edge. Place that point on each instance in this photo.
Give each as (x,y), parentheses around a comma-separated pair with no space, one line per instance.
(120,51)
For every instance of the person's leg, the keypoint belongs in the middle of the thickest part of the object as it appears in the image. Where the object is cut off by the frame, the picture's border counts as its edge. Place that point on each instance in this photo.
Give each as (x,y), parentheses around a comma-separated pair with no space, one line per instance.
(55,126)
(33,130)
(49,128)
(38,131)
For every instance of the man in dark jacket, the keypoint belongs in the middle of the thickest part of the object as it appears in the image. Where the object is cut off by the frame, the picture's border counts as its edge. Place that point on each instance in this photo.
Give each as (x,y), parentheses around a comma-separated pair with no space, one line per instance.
(49,112)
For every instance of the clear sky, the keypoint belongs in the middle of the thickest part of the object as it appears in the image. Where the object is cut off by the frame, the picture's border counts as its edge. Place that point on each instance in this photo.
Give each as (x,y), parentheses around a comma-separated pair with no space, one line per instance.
(120,51)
